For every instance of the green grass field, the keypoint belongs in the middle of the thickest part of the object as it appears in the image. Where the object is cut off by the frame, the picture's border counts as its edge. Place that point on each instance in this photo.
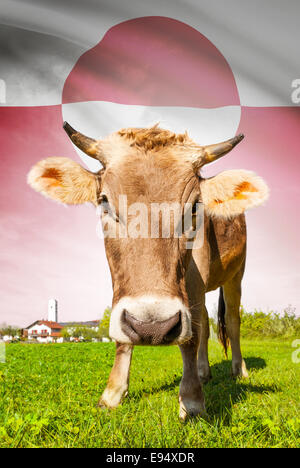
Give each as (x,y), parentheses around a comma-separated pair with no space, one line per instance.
(49,395)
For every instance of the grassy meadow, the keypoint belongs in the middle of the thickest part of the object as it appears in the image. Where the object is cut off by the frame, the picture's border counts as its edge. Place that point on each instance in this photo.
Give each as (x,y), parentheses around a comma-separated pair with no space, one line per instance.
(48,397)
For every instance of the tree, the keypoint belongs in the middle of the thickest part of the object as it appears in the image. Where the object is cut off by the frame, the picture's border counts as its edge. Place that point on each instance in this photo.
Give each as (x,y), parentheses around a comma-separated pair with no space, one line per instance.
(88,334)
(84,333)
(7,330)
(104,324)
(77,332)
(65,334)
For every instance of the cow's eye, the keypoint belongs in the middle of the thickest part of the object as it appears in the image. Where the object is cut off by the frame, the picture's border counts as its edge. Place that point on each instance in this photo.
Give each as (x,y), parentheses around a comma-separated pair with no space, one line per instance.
(106,208)
(103,199)
(104,203)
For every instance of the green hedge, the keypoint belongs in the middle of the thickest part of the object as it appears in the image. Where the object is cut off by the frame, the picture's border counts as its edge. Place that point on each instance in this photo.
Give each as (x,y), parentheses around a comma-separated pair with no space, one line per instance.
(270,324)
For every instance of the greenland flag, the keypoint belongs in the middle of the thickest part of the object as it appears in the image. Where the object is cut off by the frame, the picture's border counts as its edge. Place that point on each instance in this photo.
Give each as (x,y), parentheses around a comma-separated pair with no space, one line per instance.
(149,70)
(212,74)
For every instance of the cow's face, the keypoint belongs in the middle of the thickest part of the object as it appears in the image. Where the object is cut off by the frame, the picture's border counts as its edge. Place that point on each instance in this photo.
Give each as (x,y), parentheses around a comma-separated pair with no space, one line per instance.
(148,263)
(148,186)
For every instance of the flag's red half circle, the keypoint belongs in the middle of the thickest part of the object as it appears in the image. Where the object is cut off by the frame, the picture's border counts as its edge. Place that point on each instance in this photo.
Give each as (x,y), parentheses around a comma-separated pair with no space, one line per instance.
(154,61)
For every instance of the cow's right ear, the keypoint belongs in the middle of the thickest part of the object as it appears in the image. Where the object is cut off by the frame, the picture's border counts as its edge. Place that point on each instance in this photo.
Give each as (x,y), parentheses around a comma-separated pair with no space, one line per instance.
(230,193)
(63,180)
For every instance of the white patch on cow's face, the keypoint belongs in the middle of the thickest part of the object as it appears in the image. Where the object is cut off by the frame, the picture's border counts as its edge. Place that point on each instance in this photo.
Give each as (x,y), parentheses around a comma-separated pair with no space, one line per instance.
(147,309)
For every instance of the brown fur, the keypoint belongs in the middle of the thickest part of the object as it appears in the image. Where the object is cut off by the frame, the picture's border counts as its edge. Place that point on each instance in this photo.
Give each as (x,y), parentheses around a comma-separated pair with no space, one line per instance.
(156,166)
(153,138)
(118,381)
(64,180)
(232,192)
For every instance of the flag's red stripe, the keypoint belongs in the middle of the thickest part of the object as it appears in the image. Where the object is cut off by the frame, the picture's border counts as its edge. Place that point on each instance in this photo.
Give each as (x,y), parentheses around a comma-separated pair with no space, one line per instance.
(154,61)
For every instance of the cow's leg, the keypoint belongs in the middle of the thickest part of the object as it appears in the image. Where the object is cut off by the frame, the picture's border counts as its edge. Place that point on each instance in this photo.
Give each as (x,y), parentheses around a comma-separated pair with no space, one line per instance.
(118,381)
(232,298)
(191,398)
(203,363)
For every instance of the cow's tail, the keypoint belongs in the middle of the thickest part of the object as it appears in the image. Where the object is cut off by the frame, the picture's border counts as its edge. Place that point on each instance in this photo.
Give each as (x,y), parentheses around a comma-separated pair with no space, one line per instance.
(222,334)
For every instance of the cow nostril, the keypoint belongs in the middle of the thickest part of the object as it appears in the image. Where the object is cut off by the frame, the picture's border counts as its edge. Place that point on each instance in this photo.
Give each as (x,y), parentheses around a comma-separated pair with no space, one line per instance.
(152,332)
(127,325)
(174,332)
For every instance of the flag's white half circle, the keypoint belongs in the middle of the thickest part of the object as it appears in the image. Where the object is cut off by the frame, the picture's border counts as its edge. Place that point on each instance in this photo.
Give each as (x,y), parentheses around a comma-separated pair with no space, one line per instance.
(98,119)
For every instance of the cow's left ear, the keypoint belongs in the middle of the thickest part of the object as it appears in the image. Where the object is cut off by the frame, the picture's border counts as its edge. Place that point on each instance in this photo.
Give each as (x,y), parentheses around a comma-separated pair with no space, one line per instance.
(230,193)
(64,180)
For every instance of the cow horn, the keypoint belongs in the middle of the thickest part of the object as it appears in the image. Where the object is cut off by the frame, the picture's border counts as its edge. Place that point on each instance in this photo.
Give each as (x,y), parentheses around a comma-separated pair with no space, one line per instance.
(88,145)
(210,153)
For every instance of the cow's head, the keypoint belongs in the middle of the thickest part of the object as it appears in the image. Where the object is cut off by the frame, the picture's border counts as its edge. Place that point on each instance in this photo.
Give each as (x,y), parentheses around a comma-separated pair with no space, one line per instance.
(150,167)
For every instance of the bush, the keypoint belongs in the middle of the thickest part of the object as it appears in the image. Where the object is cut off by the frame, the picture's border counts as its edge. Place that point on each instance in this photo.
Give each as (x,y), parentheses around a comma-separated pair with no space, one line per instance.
(104,324)
(269,325)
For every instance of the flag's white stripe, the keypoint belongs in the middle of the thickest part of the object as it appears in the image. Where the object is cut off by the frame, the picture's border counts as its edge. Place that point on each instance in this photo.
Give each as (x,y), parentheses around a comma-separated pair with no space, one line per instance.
(97,119)
(259,39)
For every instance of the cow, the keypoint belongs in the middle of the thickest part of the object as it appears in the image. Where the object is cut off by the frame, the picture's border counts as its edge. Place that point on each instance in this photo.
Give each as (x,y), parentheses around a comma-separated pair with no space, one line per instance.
(159,282)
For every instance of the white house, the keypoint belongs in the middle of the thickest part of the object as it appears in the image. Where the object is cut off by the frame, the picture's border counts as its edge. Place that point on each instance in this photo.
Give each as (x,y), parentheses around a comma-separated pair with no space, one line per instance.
(44,331)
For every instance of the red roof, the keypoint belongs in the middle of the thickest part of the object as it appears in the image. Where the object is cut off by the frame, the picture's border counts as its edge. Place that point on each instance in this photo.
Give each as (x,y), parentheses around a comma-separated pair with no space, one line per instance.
(50,324)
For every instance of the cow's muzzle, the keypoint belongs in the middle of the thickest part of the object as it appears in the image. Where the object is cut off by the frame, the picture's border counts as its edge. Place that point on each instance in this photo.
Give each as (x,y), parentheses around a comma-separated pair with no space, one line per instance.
(152,332)
(150,320)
